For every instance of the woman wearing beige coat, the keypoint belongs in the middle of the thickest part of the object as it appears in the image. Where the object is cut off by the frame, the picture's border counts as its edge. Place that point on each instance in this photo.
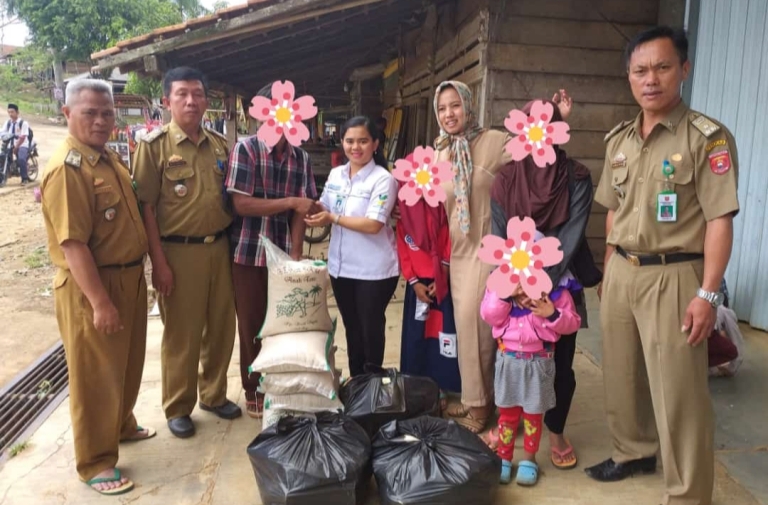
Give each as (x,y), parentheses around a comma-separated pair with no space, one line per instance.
(477,155)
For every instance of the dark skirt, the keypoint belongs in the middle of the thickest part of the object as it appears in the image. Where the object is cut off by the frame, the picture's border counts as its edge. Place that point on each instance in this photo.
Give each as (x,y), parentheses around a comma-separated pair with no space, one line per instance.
(420,349)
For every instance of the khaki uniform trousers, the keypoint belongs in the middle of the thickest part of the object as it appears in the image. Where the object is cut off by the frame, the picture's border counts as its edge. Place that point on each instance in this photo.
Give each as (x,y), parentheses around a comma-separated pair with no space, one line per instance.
(199,319)
(651,371)
(104,370)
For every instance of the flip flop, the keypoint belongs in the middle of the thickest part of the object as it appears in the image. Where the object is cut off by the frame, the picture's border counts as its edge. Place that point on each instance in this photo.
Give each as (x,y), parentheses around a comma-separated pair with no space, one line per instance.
(151,432)
(116,477)
(527,473)
(562,454)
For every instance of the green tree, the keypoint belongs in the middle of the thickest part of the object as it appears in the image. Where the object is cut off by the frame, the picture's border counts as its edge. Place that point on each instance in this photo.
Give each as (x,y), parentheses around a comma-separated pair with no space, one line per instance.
(190,8)
(220,4)
(144,86)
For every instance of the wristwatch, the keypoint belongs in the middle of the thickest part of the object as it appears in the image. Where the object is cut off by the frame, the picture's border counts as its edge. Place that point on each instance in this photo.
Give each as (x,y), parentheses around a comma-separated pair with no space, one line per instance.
(714,298)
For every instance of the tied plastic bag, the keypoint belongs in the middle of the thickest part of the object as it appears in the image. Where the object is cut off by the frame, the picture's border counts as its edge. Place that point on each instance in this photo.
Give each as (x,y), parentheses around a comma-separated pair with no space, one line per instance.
(297,294)
(432,461)
(320,459)
(383,395)
(726,340)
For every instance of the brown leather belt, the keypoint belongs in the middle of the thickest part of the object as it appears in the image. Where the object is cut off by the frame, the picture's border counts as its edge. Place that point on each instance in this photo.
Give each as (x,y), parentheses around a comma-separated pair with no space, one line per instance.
(657,259)
(131,264)
(179,239)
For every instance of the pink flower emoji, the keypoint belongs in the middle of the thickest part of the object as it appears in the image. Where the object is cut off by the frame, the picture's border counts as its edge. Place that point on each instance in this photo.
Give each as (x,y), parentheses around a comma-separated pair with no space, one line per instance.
(422,176)
(536,134)
(521,259)
(283,115)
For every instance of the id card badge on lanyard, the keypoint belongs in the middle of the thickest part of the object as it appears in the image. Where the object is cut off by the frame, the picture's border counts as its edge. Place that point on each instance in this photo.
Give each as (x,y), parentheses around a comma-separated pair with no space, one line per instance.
(666,201)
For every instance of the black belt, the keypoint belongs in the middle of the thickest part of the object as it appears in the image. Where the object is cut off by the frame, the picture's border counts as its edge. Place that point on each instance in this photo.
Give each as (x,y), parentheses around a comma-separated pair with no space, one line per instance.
(132,264)
(179,239)
(657,259)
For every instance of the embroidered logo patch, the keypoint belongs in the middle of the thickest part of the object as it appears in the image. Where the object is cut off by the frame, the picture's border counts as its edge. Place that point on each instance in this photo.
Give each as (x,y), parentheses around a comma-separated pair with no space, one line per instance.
(714,144)
(176,161)
(720,162)
(411,243)
(620,161)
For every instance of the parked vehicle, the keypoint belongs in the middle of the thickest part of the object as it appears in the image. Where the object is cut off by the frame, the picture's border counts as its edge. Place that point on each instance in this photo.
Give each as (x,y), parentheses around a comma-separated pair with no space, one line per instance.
(8,165)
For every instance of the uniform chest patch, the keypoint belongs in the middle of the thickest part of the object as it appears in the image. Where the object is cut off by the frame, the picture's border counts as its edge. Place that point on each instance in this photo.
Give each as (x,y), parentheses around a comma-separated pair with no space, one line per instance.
(620,161)
(720,162)
(176,161)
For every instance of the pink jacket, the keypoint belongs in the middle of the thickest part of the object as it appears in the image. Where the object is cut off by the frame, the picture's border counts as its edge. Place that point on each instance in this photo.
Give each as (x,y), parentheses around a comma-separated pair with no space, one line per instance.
(528,333)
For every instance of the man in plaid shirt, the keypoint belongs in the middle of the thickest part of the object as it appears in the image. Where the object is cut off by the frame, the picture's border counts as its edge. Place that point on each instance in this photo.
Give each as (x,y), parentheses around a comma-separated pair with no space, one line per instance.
(271,191)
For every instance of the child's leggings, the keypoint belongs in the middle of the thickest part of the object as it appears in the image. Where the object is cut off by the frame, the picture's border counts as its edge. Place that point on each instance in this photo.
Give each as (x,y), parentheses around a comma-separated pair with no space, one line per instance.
(509,420)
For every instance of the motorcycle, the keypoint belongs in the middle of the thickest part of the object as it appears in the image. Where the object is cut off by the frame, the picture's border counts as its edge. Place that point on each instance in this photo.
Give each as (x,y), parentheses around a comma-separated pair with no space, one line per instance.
(8,164)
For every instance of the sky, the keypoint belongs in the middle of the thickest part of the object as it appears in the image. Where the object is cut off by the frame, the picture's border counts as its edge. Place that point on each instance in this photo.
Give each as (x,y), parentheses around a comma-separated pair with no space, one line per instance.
(16,34)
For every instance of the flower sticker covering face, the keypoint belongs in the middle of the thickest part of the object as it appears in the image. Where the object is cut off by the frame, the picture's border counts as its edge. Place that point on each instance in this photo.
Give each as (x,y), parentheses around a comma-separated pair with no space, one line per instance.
(536,134)
(283,115)
(422,175)
(521,259)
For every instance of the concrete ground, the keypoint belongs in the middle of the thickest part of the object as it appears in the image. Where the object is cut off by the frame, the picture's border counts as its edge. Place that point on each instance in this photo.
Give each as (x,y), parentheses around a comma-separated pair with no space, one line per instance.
(213,468)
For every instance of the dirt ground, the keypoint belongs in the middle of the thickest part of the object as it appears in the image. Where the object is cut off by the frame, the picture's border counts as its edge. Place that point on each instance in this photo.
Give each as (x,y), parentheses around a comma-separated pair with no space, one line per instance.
(27,321)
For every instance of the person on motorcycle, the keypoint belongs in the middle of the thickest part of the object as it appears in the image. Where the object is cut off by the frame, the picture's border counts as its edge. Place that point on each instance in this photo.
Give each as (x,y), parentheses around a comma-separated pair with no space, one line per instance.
(17,126)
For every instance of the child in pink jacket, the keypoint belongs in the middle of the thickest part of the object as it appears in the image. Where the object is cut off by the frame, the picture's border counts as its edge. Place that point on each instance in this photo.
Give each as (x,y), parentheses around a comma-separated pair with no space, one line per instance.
(526,331)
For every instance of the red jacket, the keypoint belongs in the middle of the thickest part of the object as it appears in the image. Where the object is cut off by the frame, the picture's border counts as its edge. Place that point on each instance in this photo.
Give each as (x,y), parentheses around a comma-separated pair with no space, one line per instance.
(415,263)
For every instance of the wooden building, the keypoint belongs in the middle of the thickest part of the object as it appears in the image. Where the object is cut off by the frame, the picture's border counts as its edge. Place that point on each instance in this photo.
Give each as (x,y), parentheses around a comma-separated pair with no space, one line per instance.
(388,55)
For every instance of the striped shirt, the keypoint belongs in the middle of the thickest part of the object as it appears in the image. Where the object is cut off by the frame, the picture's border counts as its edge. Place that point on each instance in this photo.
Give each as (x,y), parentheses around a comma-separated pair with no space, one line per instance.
(255,171)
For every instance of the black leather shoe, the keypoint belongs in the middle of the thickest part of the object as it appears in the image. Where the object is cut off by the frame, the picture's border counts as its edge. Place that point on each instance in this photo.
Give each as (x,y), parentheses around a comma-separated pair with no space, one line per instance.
(610,471)
(228,410)
(182,427)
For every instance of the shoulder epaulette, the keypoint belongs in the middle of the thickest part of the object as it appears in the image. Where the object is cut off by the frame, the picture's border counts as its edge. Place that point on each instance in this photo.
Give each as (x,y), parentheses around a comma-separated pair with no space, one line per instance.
(706,126)
(616,129)
(214,132)
(155,134)
(74,159)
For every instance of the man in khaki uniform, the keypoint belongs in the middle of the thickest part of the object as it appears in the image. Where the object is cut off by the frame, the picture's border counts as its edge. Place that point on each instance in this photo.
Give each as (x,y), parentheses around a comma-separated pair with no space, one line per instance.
(179,171)
(97,241)
(669,184)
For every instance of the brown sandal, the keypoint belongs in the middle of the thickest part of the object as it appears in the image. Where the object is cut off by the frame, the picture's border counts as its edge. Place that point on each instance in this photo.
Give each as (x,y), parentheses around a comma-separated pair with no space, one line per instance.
(457,410)
(474,424)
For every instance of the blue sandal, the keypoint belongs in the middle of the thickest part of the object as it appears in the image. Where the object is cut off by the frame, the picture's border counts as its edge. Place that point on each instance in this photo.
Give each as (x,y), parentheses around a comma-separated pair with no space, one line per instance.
(527,473)
(506,472)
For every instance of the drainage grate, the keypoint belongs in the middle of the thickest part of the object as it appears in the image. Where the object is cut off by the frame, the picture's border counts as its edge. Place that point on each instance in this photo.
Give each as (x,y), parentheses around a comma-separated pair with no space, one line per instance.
(31,397)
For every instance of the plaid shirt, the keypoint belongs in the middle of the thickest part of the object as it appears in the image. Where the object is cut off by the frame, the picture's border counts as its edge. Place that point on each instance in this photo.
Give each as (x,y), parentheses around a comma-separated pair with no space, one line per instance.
(255,171)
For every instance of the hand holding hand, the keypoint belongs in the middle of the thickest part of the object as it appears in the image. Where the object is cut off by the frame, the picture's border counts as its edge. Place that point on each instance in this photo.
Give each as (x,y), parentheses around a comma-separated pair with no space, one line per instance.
(322,218)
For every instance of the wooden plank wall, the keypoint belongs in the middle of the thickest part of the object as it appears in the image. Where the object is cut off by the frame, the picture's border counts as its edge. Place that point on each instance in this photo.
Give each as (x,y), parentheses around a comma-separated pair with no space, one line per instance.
(538,47)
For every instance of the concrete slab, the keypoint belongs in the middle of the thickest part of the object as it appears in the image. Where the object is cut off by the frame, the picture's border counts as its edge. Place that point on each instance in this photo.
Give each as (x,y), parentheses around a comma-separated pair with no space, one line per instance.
(741,439)
(213,468)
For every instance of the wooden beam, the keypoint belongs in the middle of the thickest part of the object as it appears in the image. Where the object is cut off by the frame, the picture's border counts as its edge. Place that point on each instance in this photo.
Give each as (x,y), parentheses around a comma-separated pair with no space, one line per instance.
(232,27)
(154,65)
(366,73)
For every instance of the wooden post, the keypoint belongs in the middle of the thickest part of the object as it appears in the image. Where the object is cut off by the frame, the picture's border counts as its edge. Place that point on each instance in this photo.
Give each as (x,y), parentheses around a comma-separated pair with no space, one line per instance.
(230,107)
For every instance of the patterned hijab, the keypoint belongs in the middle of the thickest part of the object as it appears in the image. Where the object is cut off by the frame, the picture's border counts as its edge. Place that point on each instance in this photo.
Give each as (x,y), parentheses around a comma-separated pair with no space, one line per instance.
(461,157)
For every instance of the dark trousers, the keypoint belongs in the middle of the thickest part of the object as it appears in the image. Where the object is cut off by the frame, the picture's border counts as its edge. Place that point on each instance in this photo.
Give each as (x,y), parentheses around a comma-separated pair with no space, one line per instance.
(362,305)
(565,384)
(250,285)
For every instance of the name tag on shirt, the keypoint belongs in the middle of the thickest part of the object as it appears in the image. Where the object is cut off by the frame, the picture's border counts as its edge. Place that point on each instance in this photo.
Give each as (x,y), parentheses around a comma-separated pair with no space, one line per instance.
(666,208)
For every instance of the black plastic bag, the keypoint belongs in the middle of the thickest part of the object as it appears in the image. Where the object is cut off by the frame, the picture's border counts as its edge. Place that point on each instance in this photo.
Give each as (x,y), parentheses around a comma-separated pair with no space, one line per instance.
(385,395)
(320,459)
(432,461)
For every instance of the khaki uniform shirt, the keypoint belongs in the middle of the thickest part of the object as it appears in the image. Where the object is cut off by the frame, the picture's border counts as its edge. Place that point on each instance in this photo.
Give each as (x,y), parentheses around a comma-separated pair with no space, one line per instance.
(88,197)
(703,154)
(183,180)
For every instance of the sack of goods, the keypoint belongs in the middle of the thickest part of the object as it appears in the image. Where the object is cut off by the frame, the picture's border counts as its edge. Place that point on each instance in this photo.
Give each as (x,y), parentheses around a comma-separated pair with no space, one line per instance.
(383,395)
(324,458)
(297,294)
(297,352)
(433,461)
